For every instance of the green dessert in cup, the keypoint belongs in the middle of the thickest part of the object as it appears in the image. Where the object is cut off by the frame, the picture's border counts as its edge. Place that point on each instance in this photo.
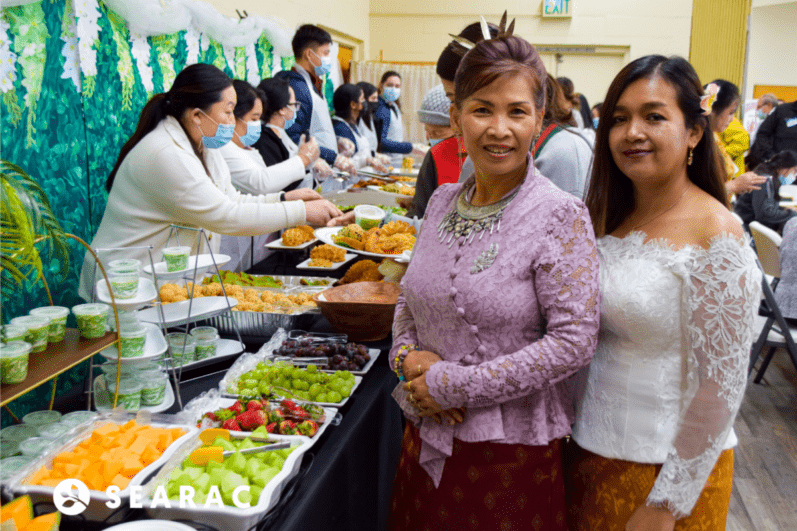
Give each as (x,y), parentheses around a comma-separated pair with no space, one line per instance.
(14,362)
(123,284)
(176,258)
(154,390)
(91,319)
(42,418)
(133,339)
(180,355)
(129,394)
(14,333)
(206,338)
(57,316)
(38,331)
(130,265)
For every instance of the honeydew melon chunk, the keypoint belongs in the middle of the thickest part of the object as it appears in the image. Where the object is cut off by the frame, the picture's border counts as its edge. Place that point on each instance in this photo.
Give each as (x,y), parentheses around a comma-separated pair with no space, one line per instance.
(260,432)
(213,465)
(236,462)
(227,445)
(229,483)
(265,476)
(253,468)
(194,473)
(202,483)
(254,493)
(217,474)
(247,443)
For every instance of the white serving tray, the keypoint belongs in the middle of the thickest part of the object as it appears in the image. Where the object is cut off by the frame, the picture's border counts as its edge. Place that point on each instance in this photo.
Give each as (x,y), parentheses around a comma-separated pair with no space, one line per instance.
(103,397)
(335,265)
(146,294)
(205,262)
(357,381)
(97,510)
(175,313)
(325,234)
(226,517)
(277,244)
(153,348)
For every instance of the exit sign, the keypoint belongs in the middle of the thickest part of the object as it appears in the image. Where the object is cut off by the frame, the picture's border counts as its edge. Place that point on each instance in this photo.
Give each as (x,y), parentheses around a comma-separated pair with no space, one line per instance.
(557,8)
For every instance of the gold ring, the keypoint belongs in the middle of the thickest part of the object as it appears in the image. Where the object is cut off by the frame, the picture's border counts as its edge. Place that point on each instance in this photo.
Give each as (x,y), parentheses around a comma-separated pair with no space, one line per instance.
(409,386)
(419,368)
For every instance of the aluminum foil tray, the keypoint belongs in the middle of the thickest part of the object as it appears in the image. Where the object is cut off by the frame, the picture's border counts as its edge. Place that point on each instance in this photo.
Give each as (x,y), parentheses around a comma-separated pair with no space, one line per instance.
(261,324)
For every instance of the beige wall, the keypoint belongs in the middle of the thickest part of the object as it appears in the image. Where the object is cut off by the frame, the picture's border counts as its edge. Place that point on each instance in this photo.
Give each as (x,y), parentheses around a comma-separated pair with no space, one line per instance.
(416,30)
(772,46)
(346,16)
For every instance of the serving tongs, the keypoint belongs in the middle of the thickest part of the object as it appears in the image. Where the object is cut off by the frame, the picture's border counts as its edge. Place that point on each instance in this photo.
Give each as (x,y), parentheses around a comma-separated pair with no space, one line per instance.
(202,456)
(303,362)
(377,176)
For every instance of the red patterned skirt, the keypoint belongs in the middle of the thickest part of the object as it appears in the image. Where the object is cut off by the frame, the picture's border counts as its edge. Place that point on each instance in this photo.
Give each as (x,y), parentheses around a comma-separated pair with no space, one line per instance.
(485,486)
(603,493)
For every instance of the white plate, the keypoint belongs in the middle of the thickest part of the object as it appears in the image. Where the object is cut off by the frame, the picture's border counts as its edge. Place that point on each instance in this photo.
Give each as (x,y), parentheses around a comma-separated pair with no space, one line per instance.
(149,525)
(205,263)
(325,234)
(146,294)
(404,258)
(103,397)
(788,203)
(391,194)
(175,313)
(277,244)
(335,265)
(153,348)
(224,349)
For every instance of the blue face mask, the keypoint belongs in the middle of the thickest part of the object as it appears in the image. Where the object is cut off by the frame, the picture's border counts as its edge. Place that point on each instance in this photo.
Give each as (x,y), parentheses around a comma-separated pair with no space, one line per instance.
(324,68)
(252,133)
(788,179)
(290,121)
(223,134)
(595,122)
(434,141)
(391,94)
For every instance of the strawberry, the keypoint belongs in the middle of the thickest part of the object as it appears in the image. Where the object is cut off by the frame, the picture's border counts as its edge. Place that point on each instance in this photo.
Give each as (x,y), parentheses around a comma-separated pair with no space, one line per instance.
(250,420)
(287,427)
(237,407)
(301,414)
(273,416)
(289,404)
(272,427)
(211,416)
(307,427)
(253,405)
(231,425)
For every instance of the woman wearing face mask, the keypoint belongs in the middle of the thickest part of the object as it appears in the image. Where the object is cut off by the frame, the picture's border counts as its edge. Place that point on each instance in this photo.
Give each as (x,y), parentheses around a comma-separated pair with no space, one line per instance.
(762,205)
(369,125)
(171,172)
(392,139)
(348,102)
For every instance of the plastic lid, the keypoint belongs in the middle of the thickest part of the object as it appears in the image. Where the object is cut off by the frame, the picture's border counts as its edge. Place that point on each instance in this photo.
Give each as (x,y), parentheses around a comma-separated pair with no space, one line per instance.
(126,386)
(149,366)
(19,432)
(31,321)
(14,330)
(9,447)
(38,418)
(129,264)
(51,312)
(77,417)
(54,430)
(131,330)
(151,376)
(12,349)
(369,211)
(178,249)
(96,308)
(35,445)
(10,465)
(176,339)
(205,333)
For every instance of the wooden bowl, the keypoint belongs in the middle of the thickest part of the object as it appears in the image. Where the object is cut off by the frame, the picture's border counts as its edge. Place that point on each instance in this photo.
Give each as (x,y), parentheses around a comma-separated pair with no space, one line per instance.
(361,310)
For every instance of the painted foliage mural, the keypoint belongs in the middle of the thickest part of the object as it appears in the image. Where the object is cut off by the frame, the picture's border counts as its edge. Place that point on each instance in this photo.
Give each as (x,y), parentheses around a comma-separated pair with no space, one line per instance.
(73,80)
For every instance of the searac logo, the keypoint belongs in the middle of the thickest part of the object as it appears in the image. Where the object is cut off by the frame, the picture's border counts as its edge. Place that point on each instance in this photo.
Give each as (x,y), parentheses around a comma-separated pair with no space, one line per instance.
(71,497)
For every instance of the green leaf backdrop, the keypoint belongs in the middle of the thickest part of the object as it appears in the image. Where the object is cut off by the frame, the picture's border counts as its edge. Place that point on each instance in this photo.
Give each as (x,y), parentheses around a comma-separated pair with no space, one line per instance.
(68,140)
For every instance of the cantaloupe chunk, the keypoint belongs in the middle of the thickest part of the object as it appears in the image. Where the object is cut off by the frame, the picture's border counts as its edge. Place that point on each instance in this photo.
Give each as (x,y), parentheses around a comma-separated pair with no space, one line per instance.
(106,429)
(131,466)
(51,482)
(45,522)
(141,442)
(177,433)
(150,455)
(35,478)
(128,425)
(126,439)
(70,470)
(18,511)
(110,469)
(164,440)
(82,464)
(120,481)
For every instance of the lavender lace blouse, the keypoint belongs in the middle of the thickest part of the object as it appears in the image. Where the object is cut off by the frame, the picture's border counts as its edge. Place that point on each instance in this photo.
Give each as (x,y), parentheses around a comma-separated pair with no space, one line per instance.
(510,334)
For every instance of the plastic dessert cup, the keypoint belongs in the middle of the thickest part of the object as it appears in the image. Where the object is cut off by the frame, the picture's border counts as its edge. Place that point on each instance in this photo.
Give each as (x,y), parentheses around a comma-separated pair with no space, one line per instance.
(91,319)
(124,284)
(129,394)
(14,333)
(133,339)
(176,258)
(368,216)
(206,338)
(77,417)
(14,362)
(19,432)
(10,465)
(8,448)
(38,331)
(40,418)
(126,319)
(181,356)
(130,265)
(35,446)
(148,366)
(154,387)
(57,316)
(53,431)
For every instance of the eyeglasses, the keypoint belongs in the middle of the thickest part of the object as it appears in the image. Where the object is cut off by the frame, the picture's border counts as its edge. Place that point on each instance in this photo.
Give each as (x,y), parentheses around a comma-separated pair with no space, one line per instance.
(296,105)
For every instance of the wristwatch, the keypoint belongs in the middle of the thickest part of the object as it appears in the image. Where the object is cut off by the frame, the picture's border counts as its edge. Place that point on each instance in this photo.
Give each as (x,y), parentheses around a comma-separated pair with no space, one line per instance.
(282,196)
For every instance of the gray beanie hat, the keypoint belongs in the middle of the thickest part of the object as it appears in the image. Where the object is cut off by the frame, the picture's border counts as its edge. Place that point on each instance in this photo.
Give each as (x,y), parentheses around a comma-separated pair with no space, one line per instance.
(435,106)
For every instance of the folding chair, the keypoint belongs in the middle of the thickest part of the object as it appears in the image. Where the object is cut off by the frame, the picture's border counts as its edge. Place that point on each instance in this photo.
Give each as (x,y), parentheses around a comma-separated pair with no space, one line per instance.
(773,330)
(788,190)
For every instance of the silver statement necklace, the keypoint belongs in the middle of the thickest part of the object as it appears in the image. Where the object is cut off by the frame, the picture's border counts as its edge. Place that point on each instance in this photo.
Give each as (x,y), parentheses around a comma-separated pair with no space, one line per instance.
(466,220)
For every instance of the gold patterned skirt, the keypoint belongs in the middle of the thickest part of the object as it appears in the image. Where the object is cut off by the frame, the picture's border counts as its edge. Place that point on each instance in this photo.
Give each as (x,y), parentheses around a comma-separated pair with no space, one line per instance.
(485,486)
(603,493)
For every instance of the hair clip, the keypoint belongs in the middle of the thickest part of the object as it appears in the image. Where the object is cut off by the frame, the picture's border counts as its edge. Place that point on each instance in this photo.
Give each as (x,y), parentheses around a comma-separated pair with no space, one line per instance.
(503,31)
(461,45)
(709,97)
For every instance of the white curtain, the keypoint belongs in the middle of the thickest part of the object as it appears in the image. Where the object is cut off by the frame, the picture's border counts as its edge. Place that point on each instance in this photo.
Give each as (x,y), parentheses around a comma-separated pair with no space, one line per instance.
(415,83)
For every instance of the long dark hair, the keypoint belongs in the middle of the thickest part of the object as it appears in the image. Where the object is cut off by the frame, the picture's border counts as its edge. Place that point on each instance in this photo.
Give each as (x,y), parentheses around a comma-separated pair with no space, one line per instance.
(198,86)
(344,96)
(387,75)
(557,107)
(277,96)
(728,95)
(783,159)
(569,91)
(449,59)
(610,197)
(246,94)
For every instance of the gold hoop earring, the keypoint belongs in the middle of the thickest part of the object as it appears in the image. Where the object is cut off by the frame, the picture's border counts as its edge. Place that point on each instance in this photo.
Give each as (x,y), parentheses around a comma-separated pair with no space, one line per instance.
(690,157)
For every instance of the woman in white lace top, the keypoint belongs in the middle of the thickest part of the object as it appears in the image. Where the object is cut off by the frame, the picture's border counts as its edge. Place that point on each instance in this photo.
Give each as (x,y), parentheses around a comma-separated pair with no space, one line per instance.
(680,289)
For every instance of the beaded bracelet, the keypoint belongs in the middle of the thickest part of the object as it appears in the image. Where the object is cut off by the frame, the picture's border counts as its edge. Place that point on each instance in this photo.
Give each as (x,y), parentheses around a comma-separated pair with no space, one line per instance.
(399,361)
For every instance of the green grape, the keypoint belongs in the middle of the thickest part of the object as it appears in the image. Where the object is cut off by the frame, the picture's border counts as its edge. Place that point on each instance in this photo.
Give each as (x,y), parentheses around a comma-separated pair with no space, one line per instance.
(322,397)
(334,397)
(312,369)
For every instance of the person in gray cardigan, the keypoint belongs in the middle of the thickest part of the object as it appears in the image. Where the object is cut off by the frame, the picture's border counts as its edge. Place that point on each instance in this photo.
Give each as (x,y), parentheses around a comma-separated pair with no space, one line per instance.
(786,291)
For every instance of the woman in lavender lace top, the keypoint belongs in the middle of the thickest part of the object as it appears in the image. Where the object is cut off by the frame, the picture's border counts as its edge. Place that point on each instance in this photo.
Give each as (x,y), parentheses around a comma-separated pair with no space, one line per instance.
(499,306)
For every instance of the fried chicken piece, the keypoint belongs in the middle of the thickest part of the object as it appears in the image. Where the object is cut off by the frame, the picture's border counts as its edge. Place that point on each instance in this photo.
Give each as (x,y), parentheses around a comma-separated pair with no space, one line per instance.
(320,262)
(308,230)
(397,243)
(328,253)
(212,290)
(364,270)
(397,227)
(351,236)
(295,237)
(371,241)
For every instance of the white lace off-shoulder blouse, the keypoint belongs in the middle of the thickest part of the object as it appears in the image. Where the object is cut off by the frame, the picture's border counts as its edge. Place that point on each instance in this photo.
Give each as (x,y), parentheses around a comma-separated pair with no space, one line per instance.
(670,368)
